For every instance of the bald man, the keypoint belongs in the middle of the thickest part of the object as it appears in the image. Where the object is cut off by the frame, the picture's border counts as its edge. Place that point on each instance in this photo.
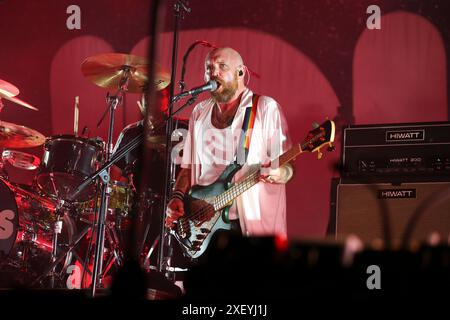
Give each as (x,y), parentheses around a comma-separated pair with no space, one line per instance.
(212,144)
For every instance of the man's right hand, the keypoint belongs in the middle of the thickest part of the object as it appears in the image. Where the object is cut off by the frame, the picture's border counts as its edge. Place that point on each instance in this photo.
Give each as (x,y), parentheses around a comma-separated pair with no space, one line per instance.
(175,210)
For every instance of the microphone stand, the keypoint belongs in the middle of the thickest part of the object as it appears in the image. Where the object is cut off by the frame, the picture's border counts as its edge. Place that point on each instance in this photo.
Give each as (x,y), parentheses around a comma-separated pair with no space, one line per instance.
(180,8)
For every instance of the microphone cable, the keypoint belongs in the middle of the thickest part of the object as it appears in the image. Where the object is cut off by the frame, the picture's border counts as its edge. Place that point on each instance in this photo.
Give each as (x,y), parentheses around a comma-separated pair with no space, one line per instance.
(204,43)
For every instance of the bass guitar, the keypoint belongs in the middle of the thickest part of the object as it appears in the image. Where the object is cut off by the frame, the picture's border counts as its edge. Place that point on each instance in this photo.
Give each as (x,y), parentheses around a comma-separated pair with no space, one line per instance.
(206,207)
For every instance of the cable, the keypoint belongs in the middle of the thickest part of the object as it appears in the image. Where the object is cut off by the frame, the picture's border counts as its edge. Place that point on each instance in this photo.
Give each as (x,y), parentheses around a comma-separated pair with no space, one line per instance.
(186,55)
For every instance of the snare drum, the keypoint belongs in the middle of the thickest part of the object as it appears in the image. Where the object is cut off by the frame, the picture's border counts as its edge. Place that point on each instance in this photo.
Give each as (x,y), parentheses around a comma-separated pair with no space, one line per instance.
(120,200)
(66,162)
(121,197)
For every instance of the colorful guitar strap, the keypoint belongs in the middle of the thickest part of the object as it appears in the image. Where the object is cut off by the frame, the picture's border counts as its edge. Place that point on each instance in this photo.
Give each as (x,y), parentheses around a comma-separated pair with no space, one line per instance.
(247,129)
(246,135)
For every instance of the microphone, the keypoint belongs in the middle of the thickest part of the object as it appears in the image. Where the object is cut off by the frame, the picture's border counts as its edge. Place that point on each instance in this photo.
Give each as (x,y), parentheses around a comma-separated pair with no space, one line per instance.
(211,85)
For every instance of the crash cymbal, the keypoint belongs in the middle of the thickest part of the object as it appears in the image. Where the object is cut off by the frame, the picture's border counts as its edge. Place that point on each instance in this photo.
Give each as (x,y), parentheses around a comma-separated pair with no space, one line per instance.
(8,89)
(9,92)
(107,70)
(17,136)
(21,102)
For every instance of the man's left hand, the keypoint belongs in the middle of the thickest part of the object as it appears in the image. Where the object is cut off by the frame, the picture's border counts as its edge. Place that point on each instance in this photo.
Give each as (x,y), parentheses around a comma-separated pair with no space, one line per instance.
(279,175)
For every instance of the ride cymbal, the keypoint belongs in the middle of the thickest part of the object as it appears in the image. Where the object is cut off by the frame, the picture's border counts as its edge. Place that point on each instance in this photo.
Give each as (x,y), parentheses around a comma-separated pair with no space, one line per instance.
(110,70)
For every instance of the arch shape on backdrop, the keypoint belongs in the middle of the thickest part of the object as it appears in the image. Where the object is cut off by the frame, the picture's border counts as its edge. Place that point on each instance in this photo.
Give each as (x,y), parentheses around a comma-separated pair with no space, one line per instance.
(67,81)
(399,72)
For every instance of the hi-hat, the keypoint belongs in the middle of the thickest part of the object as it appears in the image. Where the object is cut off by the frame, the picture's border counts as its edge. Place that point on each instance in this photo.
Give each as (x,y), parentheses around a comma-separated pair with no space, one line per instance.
(108,70)
(9,92)
(17,136)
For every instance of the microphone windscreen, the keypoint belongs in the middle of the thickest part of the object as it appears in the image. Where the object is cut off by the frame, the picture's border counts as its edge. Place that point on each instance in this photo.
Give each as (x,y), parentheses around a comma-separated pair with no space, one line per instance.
(213,84)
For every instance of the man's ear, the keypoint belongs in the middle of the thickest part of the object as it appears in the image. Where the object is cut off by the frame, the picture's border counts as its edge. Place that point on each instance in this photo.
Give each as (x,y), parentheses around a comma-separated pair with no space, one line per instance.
(241,71)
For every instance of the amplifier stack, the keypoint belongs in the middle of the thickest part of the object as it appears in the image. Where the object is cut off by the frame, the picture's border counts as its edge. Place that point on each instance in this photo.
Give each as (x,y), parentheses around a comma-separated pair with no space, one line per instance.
(395,183)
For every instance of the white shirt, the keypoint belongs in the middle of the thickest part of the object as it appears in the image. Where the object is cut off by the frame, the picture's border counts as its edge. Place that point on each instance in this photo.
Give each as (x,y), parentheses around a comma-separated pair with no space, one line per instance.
(208,150)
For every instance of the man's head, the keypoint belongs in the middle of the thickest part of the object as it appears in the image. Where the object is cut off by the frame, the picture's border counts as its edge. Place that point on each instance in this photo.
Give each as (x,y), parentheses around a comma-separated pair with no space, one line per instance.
(225,65)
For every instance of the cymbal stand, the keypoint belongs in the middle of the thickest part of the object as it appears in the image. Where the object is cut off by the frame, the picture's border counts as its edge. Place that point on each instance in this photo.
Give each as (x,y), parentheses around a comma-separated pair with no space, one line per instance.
(113,102)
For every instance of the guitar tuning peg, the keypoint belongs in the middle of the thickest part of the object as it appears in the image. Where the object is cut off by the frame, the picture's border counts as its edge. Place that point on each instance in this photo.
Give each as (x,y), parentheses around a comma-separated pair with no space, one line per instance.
(331,147)
(315,125)
(319,154)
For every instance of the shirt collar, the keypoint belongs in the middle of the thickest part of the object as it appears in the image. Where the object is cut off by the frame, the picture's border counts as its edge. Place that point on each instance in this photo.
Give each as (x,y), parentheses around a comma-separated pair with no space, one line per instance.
(246,100)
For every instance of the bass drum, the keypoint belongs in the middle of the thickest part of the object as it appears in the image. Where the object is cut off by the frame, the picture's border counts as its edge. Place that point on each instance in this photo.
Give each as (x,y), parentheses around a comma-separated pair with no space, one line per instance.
(26,225)
(9,221)
(66,162)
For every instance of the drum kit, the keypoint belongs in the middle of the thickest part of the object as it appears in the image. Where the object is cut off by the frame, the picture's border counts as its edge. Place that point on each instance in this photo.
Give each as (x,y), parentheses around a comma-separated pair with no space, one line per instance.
(39,223)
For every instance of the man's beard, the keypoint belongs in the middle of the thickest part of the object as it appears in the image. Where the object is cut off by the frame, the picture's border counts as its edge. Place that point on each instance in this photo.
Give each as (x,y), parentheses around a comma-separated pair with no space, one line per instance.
(227,91)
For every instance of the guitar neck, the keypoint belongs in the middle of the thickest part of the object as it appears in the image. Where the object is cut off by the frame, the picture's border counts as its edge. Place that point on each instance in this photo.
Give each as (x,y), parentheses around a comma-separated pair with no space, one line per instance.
(224,199)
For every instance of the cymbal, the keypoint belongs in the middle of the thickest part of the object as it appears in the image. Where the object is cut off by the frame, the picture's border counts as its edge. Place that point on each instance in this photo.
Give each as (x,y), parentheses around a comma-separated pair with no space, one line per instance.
(9,92)
(20,159)
(18,101)
(8,89)
(108,69)
(17,136)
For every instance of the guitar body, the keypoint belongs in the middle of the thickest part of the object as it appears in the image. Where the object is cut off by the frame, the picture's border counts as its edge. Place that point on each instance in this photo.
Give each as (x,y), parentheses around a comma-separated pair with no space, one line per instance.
(197,227)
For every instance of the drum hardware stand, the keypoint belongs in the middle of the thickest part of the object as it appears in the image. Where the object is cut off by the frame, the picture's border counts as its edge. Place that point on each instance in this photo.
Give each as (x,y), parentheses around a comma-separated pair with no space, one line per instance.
(103,173)
(61,256)
(146,263)
(113,102)
(116,255)
(57,228)
(150,205)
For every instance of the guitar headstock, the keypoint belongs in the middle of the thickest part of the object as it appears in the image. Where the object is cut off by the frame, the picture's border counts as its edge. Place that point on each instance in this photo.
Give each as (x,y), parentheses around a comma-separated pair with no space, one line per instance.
(319,136)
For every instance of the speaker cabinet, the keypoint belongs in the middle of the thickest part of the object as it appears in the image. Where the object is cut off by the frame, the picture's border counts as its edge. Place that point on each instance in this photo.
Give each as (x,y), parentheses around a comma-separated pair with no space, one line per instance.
(411,210)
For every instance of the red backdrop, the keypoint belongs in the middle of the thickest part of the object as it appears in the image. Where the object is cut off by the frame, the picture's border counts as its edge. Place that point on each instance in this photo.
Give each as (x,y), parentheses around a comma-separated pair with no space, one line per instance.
(316,60)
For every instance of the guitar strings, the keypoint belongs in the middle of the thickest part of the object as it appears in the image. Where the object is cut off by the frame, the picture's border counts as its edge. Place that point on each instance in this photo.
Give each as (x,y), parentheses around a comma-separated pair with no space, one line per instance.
(202,212)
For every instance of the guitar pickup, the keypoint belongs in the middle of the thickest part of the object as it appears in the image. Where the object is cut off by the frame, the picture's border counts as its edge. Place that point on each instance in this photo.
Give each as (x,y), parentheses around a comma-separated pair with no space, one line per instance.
(201,236)
(196,245)
(205,230)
